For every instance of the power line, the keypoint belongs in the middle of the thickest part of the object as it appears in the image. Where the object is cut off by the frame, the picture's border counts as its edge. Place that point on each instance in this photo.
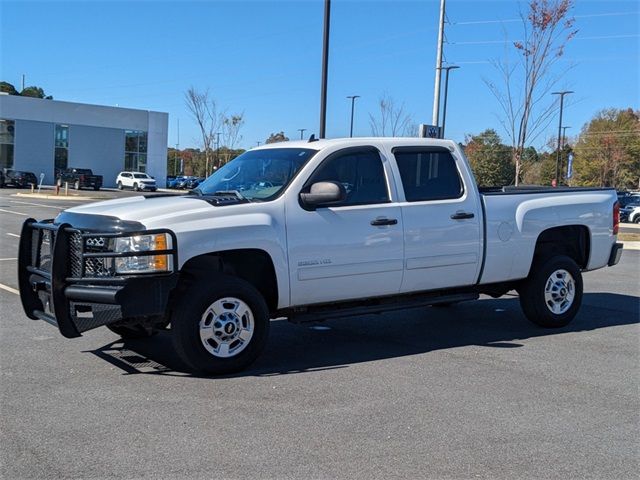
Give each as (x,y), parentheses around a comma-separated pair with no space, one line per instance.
(511,20)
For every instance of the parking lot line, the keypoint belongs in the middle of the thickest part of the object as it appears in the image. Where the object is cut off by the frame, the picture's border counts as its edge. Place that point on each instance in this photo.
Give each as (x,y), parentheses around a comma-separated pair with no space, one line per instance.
(9,289)
(15,213)
(6,259)
(57,207)
(13,235)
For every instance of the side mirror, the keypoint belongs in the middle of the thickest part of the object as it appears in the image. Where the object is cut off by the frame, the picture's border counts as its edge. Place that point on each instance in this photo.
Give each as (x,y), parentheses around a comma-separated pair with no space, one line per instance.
(323,193)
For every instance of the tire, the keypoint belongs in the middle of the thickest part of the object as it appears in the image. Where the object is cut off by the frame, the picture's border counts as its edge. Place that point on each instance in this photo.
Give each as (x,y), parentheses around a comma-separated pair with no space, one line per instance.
(193,325)
(135,187)
(636,219)
(120,187)
(132,332)
(552,295)
(96,187)
(76,185)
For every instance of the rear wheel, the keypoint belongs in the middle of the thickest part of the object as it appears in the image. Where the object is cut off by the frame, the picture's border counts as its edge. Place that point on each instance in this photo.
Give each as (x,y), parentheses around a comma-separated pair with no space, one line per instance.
(552,294)
(636,219)
(220,326)
(120,186)
(96,187)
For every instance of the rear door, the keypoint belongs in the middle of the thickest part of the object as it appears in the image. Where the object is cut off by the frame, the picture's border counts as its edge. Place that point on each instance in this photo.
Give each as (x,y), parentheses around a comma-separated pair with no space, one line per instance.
(442,224)
(349,250)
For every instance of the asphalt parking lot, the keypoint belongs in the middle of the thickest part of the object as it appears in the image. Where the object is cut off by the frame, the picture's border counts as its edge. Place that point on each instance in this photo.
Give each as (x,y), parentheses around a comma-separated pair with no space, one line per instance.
(474,391)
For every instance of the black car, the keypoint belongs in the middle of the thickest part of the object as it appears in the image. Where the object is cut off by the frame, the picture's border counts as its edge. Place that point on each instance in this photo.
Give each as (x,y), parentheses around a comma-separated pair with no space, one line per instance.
(1,179)
(79,178)
(626,198)
(19,178)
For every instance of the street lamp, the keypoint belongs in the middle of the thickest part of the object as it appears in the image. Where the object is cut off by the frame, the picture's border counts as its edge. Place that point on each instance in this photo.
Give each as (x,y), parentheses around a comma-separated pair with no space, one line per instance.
(301,130)
(562,94)
(446,90)
(353,101)
(325,68)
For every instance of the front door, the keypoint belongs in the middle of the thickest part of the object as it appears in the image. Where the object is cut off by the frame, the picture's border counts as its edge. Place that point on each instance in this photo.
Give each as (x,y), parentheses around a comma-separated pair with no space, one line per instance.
(349,250)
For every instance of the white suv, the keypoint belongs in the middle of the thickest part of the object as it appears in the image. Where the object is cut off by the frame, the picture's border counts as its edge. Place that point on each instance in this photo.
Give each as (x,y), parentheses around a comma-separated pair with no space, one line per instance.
(136,180)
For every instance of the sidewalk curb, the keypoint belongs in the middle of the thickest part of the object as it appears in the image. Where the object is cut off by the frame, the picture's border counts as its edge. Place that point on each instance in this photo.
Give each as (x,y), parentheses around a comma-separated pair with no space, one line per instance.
(631,245)
(77,198)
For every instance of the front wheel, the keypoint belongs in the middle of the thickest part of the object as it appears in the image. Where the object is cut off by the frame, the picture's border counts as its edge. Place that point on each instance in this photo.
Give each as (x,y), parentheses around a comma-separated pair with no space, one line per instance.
(135,187)
(220,326)
(552,294)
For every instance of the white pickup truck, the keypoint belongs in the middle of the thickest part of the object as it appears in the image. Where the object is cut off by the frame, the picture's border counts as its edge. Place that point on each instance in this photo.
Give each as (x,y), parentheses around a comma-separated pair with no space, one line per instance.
(311,231)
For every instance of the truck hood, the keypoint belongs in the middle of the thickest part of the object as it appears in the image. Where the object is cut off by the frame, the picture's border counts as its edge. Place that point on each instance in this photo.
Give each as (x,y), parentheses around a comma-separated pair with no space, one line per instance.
(138,209)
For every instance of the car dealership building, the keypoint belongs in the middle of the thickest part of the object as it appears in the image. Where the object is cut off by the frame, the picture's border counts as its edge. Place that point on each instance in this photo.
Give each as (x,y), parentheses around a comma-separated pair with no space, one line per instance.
(41,136)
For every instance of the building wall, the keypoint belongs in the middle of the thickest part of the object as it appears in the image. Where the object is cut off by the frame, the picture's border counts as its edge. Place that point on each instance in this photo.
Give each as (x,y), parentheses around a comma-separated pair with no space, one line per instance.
(33,148)
(96,136)
(100,149)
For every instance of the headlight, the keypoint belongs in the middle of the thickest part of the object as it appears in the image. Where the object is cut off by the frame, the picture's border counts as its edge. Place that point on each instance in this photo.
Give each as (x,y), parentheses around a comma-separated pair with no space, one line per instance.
(146,263)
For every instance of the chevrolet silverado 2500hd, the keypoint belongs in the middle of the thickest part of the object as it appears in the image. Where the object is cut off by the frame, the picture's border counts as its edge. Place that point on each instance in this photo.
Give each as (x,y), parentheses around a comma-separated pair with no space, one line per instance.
(310,231)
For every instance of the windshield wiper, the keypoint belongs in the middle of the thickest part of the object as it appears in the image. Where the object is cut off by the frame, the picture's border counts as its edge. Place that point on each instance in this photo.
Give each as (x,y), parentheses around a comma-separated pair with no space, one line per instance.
(235,193)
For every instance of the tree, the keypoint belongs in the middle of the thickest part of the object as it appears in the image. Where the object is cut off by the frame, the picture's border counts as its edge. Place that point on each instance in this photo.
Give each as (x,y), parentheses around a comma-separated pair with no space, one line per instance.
(526,84)
(204,111)
(231,126)
(490,160)
(607,152)
(277,137)
(34,92)
(391,120)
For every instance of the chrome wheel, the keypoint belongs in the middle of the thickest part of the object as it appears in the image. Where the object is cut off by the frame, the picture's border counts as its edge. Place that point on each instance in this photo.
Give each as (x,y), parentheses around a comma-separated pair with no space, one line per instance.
(559,292)
(226,327)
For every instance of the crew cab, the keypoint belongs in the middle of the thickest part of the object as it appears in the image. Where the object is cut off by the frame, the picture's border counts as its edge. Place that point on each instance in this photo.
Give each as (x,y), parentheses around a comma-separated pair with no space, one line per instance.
(79,178)
(18,178)
(136,181)
(311,231)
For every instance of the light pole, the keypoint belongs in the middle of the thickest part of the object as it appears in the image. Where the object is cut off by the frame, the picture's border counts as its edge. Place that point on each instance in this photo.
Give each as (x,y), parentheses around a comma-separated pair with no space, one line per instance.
(446,91)
(325,68)
(436,83)
(217,150)
(353,101)
(301,130)
(562,94)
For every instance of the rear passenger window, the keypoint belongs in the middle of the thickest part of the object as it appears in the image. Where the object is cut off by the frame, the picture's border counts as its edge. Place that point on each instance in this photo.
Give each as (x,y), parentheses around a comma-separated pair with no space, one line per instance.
(429,174)
(361,173)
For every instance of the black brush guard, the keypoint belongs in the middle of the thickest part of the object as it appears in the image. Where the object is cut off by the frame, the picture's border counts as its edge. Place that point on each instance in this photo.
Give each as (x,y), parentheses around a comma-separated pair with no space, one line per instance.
(60,284)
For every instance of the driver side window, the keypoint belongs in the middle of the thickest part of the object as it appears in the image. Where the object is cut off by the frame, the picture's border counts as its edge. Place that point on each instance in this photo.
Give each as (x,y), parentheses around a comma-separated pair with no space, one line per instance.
(361,173)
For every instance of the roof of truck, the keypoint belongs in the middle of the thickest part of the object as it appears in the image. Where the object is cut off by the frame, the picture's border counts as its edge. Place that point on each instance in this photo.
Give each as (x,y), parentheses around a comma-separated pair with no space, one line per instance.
(356,141)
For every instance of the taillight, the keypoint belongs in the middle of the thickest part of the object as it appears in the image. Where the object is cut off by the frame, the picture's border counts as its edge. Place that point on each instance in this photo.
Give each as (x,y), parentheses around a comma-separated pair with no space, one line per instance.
(616,217)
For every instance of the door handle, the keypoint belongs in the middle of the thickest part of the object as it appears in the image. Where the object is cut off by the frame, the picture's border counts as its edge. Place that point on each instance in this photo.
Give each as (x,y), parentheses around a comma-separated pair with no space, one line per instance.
(378,222)
(462,215)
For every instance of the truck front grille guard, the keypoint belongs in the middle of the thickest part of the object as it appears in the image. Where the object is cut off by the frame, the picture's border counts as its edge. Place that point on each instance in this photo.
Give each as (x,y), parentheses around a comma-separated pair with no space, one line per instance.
(52,257)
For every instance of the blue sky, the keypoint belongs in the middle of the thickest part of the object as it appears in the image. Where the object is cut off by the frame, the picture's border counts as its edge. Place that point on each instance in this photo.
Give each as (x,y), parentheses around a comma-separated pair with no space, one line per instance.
(263,58)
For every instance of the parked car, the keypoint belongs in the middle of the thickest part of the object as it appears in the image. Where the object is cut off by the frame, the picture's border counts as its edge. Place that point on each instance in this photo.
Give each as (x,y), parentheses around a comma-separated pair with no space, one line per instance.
(19,178)
(1,179)
(169,180)
(137,181)
(625,198)
(184,181)
(79,178)
(313,231)
(630,213)
(194,182)
(173,183)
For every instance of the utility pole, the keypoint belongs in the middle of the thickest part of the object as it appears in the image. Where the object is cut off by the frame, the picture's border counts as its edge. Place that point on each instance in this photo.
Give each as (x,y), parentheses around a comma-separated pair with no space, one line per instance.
(258,143)
(325,68)
(562,94)
(353,101)
(23,75)
(175,159)
(446,90)
(436,88)
(301,130)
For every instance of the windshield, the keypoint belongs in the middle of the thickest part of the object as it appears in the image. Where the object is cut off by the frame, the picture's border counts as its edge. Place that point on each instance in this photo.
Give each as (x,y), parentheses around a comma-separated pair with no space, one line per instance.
(257,174)
(140,175)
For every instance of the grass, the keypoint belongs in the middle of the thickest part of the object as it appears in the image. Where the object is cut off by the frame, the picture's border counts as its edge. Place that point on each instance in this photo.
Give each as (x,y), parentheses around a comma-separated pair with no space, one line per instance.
(629,237)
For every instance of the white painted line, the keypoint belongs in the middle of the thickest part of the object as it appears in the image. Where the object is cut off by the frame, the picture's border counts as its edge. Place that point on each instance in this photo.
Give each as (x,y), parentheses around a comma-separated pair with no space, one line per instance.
(15,213)
(9,289)
(58,207)
(6,259)
(13,235)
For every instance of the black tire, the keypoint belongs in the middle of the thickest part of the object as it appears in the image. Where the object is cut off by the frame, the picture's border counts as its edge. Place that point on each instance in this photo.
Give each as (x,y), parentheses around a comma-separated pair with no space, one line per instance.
(120,187)
(96,187)
(76,185)
(187,314)
(135,187)
(636,219)
(132,332)
(532,292)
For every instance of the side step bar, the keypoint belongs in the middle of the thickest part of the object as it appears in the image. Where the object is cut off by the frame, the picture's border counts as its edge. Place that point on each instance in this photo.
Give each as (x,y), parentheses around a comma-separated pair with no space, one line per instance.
(378,305)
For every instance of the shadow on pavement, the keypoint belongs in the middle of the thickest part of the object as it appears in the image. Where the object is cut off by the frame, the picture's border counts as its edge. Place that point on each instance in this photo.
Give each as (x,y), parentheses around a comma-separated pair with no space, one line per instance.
(313,347)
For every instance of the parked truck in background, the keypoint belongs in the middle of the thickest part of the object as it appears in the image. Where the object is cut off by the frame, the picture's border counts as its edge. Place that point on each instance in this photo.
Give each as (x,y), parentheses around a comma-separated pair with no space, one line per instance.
(311,231)
(79,178)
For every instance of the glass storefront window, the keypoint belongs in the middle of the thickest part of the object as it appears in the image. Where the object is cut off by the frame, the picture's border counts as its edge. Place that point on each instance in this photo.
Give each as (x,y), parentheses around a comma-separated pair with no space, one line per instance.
(7,133)
(135,149)
(61,153)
